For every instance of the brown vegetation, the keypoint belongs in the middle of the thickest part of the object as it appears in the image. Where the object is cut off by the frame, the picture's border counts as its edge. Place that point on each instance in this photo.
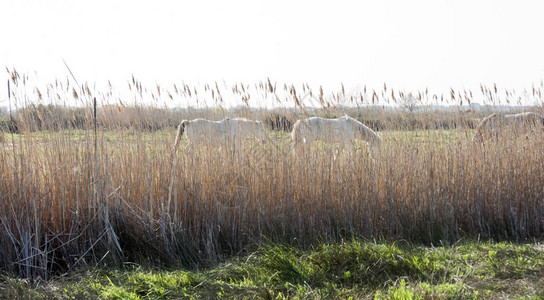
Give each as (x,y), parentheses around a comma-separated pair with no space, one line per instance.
(112,196)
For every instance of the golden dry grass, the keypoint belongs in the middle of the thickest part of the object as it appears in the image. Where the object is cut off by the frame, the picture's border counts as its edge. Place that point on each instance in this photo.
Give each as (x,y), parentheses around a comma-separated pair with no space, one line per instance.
(67,202)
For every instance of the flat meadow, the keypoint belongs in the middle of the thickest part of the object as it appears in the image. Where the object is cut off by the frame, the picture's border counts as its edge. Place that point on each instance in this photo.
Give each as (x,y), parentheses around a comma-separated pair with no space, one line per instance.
(101,187)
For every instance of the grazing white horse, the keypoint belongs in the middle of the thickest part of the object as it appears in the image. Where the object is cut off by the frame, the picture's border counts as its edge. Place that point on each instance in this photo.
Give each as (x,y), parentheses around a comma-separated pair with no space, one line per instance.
(495,124)
(226,132)
(344,130)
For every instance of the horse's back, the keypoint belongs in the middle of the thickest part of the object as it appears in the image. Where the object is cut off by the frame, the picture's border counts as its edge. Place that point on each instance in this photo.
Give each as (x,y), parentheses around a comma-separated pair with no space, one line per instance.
(499,124)
(227,130)
(527,118)
(329,130)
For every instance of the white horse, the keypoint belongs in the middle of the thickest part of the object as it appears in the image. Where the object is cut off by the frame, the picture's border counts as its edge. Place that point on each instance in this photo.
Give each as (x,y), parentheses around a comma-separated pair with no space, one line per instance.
(227,132)
(344,130)
(495,124)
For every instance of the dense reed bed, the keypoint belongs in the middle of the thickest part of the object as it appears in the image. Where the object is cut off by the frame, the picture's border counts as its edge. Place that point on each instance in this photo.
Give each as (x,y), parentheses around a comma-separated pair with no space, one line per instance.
(109,196)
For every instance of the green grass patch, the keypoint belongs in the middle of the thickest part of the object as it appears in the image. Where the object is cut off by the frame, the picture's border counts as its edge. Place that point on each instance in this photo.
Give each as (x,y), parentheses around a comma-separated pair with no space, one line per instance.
(349,270)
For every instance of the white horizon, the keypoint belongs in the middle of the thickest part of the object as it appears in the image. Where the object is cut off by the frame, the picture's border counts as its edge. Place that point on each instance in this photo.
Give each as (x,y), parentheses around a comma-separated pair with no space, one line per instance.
(408,45)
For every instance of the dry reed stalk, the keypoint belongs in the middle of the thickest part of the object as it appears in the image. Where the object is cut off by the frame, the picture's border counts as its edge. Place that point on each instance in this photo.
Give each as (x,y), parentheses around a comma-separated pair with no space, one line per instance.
(424,185)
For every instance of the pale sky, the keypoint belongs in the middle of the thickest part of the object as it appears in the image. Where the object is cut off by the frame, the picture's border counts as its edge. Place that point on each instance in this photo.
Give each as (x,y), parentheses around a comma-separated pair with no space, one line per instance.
(406,44)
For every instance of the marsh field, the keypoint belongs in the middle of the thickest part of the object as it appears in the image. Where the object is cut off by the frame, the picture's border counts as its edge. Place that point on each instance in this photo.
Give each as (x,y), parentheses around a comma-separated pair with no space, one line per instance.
(99,187)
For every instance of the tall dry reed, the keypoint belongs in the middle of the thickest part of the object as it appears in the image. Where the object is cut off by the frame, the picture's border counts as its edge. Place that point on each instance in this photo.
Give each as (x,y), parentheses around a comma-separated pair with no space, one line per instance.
(67,202)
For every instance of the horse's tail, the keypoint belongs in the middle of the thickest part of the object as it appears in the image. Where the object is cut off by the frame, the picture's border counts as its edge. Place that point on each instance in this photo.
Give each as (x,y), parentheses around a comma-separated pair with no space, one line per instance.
(181,129)
(260,132)
(540,118)
(478,136)
(296,136)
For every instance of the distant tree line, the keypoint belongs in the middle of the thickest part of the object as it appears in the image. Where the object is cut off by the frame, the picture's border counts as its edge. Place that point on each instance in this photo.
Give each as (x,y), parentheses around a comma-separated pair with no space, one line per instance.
(49,117)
